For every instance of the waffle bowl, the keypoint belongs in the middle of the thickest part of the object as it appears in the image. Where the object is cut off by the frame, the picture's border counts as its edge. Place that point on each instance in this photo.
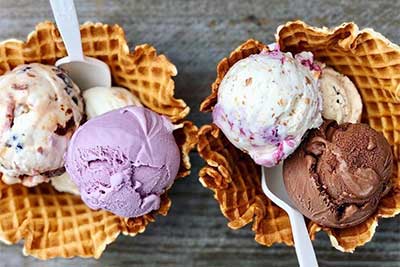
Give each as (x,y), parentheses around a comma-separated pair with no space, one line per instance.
(373,63)
(56,224)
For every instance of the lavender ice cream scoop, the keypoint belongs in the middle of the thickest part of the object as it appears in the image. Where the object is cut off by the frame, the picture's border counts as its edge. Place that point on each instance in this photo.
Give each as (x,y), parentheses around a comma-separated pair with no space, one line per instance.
(123,160)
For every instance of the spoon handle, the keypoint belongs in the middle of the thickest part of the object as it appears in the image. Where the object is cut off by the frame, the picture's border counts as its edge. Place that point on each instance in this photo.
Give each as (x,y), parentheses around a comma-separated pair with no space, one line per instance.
(302,242)
(68,25)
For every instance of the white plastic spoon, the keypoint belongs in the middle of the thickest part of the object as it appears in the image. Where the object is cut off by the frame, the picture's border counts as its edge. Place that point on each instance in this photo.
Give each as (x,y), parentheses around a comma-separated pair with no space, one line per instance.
(274,188)
(86,72)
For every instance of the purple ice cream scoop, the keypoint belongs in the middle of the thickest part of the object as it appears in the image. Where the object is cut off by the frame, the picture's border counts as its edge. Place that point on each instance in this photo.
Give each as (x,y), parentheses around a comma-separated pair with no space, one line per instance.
(123,160)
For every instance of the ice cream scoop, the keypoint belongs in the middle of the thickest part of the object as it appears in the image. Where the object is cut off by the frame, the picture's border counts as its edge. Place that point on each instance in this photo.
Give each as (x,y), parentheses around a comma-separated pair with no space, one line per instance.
(341,100)
(267,102)
(339,174)
(40,108)
(63,183)
(123,160)
(99,100)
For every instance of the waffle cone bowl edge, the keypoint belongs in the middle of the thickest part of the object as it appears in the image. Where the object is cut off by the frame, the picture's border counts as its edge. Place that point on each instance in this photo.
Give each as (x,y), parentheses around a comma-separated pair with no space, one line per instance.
(373,63)
(56,224)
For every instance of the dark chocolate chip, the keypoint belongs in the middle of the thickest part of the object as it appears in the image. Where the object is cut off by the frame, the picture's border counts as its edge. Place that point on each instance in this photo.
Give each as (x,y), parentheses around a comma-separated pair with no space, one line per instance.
(63,130)
(19,147)
(340,210)
(68,90)
(24,69)
(336,90)
(75,99)
(64,77)
(52,173)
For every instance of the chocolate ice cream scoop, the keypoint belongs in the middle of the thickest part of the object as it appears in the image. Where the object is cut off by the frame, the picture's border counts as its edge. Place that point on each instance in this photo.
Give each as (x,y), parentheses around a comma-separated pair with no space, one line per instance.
(339,173)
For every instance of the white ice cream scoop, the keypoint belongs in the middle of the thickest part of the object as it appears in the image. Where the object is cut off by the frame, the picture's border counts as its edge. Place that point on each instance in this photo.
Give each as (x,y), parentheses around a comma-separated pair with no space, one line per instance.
(266,103)
(341,100)
(86,72)
(274,188)
(99,100)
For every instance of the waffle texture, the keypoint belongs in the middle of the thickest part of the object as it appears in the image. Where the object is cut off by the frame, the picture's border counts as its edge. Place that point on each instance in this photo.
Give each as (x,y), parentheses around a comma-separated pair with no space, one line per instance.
(55,224)
(373,63)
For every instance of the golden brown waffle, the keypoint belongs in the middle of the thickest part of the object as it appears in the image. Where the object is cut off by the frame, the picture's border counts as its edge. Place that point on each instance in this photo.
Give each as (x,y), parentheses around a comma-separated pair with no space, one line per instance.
(235,180)
(55,224)
(373,63)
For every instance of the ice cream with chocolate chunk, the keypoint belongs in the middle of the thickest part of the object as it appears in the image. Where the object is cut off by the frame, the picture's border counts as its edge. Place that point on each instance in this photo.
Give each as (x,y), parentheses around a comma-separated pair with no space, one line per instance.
(341,100)
(339,174)
(40,108)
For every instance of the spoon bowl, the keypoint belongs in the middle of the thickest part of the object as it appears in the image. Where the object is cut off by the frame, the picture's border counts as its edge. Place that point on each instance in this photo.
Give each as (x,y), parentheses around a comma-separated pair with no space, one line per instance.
(86,72)
(274,188)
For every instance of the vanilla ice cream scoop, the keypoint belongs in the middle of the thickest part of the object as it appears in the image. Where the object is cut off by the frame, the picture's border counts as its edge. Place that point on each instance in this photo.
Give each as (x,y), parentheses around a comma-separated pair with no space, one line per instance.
(64,183)
(99,100)
(342,102)
(267,102)
(40,108)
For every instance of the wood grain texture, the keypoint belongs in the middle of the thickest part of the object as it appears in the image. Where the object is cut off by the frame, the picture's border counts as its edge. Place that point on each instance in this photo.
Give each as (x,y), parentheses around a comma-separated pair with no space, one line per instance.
(195,35)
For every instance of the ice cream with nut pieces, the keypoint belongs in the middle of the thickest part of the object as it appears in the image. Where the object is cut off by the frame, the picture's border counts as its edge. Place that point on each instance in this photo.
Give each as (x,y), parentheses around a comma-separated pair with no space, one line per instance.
(267,102)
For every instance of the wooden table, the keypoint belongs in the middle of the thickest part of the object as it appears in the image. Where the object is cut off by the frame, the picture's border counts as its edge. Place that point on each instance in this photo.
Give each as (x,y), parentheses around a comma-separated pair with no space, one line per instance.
(195,35)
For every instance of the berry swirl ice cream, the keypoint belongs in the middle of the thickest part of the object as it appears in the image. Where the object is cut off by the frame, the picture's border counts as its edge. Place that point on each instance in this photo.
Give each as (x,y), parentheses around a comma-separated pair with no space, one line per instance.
(40,108)
(267,102)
